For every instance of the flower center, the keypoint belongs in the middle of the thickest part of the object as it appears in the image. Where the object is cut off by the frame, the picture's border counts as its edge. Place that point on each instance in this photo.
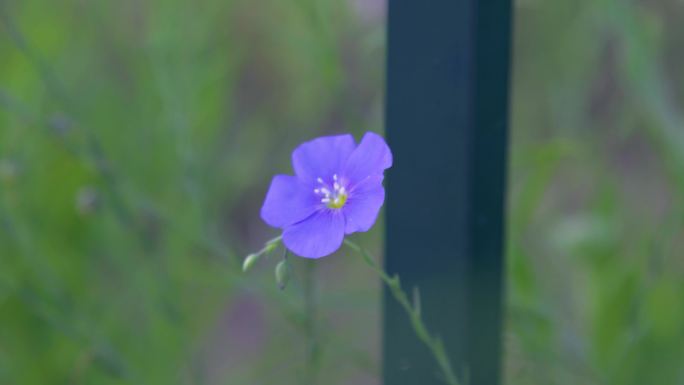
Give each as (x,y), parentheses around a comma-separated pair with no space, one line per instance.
(334,196)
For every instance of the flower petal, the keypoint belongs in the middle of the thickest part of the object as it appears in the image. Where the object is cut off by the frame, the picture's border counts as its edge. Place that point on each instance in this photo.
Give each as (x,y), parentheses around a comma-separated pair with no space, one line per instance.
(317,236)
(364,203)
(371,157)
(322,157)
(289,200)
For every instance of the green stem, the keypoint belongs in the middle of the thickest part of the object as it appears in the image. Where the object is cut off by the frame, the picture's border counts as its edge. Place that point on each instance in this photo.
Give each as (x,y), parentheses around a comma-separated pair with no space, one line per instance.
(310,323)
(433,343)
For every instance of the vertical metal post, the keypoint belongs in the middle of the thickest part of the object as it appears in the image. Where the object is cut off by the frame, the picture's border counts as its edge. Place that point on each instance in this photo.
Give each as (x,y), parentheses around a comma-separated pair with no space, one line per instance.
(446,115)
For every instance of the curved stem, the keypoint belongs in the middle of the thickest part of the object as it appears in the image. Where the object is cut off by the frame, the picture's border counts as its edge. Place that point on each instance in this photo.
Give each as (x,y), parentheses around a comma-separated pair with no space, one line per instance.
(433,343)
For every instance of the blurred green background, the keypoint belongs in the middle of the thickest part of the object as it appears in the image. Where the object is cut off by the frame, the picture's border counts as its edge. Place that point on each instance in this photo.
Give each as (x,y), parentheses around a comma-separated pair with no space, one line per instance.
(137,139)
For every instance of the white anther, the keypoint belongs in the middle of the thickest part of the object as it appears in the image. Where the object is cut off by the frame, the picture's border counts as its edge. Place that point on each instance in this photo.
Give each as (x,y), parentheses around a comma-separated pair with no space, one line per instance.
(333,195)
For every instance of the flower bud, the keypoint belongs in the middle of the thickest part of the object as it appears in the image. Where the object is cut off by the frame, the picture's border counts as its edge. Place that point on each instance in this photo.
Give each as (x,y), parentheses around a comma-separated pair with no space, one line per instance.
(282,273)
(271,245)
(249,262)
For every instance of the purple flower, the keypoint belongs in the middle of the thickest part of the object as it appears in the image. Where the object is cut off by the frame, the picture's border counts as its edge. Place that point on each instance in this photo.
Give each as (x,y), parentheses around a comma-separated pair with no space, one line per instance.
(337,190)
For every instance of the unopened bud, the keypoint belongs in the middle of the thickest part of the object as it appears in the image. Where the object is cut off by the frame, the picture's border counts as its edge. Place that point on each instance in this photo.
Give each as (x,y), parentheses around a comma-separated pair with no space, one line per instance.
(282,273)
(271,245)
(249,262)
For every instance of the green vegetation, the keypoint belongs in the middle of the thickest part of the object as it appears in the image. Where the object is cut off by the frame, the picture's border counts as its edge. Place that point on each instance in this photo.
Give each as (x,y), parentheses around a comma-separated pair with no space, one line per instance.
(596,207)
(137,139)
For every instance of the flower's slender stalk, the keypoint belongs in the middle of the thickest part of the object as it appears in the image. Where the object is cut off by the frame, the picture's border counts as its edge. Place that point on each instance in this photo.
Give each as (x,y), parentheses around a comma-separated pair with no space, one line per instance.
(413,311)
(312,356)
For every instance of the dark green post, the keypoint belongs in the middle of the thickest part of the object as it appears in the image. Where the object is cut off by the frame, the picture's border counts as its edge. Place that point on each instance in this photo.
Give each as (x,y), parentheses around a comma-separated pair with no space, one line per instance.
(447,115)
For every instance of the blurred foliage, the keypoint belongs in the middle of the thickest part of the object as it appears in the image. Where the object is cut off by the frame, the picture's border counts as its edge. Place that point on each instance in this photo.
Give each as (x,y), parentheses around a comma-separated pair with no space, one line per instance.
(596,227)
(137,139)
